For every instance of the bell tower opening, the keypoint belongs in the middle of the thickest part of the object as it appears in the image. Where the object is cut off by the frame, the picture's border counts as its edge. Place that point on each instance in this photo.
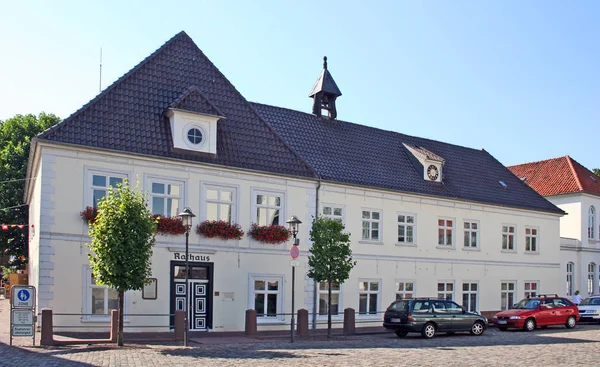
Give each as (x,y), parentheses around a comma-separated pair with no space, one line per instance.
(324,94)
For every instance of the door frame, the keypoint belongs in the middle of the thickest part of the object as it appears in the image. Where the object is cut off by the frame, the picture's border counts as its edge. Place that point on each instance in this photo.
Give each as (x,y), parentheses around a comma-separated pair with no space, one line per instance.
(209,292)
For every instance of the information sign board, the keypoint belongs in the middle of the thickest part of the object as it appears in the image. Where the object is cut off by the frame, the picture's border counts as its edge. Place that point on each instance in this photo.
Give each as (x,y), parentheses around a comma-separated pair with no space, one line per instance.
(22,330)
(22,317)
(22,313)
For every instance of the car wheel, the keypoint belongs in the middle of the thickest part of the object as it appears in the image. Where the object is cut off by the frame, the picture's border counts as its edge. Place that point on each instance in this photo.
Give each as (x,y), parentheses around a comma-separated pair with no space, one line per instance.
(401,334)
(477,328)
(428,331)
(529,324)
(503,328)
(570,322)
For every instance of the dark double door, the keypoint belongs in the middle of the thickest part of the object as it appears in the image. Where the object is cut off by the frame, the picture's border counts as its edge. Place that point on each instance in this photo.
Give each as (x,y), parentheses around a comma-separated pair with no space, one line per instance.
(199,291)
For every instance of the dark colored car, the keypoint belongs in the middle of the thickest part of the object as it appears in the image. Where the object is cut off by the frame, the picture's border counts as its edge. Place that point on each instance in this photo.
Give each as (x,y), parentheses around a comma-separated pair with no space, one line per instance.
(429,316)
(540,311)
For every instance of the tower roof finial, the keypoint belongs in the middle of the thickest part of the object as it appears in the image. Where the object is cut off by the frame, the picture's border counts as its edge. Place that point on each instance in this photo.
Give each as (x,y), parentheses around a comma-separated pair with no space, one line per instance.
(325,62)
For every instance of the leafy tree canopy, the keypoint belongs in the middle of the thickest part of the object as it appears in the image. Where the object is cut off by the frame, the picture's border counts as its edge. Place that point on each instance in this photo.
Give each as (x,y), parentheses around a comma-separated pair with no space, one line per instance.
(596,171)
(330,258)
(15,138)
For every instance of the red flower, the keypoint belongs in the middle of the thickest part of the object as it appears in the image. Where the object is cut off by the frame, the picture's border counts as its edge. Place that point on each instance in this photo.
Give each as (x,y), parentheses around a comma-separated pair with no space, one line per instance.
(269,234)
(221,229)
(169,225)
(89,214)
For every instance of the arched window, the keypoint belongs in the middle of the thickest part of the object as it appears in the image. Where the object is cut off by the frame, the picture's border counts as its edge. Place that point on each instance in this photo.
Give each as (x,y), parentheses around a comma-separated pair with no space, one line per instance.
(570,277)
(592,222)
(591,278)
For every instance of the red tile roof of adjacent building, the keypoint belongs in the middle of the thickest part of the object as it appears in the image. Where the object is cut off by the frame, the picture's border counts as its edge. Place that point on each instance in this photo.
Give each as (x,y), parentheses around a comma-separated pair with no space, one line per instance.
(558,176)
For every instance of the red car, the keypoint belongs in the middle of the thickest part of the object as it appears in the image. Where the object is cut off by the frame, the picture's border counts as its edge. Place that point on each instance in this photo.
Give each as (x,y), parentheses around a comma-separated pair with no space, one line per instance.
(540,311)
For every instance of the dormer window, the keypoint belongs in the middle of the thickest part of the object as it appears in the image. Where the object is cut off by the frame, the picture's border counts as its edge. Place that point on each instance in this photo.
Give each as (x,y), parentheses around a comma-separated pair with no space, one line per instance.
(429,162)
(194,136)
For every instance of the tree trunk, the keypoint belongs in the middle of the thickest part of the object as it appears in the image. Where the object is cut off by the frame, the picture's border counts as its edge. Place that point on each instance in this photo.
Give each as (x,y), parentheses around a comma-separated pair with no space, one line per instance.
(121,312)
(329,310)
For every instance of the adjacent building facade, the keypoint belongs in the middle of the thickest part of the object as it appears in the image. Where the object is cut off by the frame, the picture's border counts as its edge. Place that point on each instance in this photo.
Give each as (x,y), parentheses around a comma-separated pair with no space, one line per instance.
(576,190)
(426,218)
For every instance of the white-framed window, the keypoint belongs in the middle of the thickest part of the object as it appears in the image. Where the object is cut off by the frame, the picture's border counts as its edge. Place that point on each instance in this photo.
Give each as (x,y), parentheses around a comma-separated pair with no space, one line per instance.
(531,239)
(532,288)
(99,299)
(368,296)
(371,225)
(407,228)
(508,237)
(333,211)
(166,197)
(266,297)
(470,297)
(405,290)
(507,294)
(100,182)
(335,298)
(471,234)
(268,208)
(591,222)
(220,202)
(445,232)
(591,278)
(570,277)
(445,290)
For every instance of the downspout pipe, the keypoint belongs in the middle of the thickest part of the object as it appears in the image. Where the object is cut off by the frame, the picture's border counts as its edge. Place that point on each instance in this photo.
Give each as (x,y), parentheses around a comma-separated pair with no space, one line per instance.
(315,285)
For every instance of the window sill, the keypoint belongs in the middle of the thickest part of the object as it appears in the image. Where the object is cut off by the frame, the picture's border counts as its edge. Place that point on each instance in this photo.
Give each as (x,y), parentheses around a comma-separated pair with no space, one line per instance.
(339,316)
(509,251)
(368,317)
(531,252)
(474,249)
(445,247)
(368,242)
(406,244)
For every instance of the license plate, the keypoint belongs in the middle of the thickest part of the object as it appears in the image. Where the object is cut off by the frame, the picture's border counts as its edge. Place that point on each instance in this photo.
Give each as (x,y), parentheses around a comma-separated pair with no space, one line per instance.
(394,320)
(501,322)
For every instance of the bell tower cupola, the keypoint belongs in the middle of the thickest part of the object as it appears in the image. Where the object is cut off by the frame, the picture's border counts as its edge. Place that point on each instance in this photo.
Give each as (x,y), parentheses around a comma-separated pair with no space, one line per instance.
(324,94)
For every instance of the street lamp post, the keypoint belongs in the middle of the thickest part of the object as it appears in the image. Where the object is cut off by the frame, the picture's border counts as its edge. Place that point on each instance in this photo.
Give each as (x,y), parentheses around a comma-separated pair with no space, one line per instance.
(293,223)
(186,218)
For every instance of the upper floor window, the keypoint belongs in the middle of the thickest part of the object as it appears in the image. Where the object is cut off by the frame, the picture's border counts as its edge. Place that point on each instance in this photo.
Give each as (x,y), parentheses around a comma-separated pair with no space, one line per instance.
(268,208)
(406,228)
(445,231)
(335,212)
(508,238)
(219,202)
(471,234)
(592,222)
(531,239)
(100,185)
(166,198)
(371,223)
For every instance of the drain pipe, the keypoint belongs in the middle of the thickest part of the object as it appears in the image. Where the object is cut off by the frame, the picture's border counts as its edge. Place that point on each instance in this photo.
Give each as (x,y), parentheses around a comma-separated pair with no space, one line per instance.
(316,286)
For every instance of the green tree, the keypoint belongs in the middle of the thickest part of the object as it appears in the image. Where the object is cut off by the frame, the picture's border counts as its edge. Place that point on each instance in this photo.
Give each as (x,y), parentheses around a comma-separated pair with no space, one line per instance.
(596,171)
(122,240)
(15,138)
(330,258)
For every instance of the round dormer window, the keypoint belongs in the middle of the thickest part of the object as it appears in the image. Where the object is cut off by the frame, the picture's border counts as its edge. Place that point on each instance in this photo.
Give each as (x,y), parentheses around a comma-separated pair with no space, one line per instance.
(194,136)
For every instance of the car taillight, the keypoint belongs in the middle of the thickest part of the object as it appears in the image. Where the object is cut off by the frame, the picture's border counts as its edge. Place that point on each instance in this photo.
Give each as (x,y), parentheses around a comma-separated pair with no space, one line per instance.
(410,318)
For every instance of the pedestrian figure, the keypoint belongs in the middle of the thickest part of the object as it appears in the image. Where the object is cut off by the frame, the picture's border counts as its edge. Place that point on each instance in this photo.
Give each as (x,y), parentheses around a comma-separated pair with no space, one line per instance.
(577,298)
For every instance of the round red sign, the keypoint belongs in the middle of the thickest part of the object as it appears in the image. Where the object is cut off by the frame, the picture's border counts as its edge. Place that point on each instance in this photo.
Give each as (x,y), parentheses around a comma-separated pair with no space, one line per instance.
(295,252)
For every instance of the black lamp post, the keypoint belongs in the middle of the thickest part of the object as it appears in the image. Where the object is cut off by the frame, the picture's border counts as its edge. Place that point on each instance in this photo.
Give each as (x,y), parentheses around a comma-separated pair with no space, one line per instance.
(186,218)
(293,223)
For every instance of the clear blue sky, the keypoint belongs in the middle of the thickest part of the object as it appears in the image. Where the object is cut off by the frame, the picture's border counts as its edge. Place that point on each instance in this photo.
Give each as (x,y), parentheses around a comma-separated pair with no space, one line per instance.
(517,78)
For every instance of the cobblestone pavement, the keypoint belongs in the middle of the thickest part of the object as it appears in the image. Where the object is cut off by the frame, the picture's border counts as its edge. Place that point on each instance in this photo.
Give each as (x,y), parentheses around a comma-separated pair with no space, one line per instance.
(555,346)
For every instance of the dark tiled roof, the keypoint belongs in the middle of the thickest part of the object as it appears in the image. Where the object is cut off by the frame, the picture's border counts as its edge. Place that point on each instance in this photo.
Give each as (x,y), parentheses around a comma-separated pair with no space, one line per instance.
(325,83)
(195,101)
(356,154)
(129,116)
(557,176)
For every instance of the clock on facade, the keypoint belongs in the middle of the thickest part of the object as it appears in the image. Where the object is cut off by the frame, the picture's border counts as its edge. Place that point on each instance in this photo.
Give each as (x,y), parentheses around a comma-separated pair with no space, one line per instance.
(432,172)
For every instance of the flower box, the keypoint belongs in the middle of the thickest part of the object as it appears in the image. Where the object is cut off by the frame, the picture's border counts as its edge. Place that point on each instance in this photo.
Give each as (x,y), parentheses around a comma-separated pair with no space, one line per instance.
(169,225)
(220,229)
(269,234)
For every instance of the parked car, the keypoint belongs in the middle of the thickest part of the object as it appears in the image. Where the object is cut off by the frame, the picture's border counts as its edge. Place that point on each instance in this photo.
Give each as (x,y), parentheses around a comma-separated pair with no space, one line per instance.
(541,311)
(429,316)
(589,309)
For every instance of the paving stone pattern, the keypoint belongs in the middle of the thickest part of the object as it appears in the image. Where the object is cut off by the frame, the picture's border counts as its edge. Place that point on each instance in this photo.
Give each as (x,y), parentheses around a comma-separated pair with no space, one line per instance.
(555,346)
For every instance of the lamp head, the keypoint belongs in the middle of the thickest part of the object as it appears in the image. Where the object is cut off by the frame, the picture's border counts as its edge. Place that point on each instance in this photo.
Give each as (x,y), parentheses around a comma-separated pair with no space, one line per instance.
(293,224)
(186,217)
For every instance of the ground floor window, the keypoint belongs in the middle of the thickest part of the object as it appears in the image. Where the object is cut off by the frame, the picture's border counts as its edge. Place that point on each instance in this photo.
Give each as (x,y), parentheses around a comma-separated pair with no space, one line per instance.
(531,288)
(405,290)
(469,296)
(507,295)
(99,299)
(323,297)
(267,296)
(368,297)
(445,291)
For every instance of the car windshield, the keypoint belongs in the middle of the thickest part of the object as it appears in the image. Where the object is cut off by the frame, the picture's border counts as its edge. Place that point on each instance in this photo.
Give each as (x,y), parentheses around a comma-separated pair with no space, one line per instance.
(529,304)
(399,306)
(592,301)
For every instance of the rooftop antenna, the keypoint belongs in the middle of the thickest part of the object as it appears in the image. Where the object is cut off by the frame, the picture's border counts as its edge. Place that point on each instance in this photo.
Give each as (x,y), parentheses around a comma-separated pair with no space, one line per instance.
(100,81)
